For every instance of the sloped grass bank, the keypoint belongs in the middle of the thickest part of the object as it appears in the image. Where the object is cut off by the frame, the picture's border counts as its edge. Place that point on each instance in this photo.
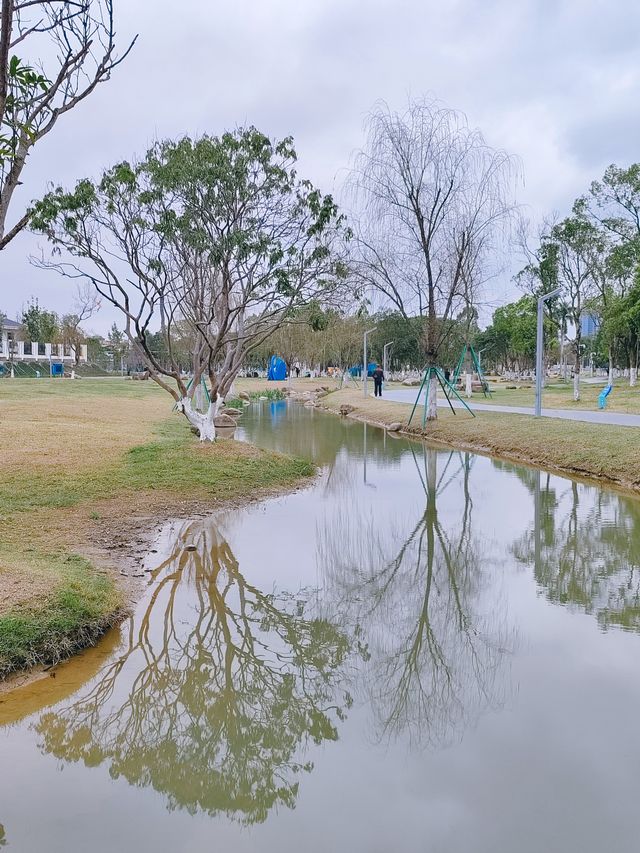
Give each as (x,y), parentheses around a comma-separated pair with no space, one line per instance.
(53,499)
(602,452)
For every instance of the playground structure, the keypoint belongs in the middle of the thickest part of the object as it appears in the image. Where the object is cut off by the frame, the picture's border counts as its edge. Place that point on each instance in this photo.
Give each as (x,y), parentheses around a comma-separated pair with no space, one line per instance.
(447,388)
(475,361)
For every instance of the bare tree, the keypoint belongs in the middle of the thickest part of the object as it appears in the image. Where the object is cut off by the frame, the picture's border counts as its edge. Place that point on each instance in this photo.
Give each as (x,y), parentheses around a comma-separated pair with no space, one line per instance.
(86,304)
(436,658)
(434,201)
(217,236)
(77,39)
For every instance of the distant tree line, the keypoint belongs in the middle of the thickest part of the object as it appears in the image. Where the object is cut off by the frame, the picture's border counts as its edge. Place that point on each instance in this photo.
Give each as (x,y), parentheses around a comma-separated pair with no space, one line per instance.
(593,255)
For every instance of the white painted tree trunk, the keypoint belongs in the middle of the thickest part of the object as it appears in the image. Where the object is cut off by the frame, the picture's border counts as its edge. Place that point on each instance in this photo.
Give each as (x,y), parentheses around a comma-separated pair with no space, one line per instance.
(432,398)
(468,390)
(610,368)
(576,387)
(198,398)
(633,376)
(204,423)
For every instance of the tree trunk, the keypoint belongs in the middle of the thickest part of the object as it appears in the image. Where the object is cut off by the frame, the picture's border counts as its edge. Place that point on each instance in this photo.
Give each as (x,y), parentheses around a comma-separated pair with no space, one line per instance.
(610,367)
(576,381)
(468,379)
(432,398)
(204,423)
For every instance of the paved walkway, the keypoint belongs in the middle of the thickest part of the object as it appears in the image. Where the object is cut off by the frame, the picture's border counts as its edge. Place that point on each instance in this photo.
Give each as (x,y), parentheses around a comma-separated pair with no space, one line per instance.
(598,417)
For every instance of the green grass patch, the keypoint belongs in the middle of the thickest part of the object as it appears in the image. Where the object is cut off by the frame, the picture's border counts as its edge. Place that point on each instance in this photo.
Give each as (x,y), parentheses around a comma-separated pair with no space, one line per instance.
(52,601)
(269,393)
(174,462)
(82,605)
(236,403)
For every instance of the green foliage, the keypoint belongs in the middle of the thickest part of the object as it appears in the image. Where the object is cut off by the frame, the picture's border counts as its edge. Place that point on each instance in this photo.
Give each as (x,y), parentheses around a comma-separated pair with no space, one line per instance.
(253,242)
(405,334)
(23,85)
(270,393)
(83,605)
(40,325)
(510,340)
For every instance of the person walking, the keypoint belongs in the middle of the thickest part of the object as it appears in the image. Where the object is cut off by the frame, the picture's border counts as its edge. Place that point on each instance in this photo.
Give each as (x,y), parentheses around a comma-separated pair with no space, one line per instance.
(378,378)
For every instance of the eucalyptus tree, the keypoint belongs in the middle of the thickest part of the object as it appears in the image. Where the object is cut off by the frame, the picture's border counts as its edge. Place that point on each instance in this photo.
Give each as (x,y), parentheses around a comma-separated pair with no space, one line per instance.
(434,203)
(78,40)
(218,235)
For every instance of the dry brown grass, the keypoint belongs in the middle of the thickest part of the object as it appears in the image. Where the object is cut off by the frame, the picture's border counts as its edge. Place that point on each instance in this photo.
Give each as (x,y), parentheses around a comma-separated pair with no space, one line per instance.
(72,426)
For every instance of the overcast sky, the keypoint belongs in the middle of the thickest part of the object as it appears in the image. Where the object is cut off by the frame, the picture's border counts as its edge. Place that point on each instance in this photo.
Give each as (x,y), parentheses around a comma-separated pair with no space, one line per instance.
(555,82)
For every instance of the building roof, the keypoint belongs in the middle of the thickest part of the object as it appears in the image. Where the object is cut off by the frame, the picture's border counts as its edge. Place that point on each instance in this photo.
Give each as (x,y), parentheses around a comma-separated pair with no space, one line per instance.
(9,324)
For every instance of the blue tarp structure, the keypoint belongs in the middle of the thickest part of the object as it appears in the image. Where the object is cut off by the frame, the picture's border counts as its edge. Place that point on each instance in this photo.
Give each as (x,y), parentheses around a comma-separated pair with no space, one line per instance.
(277,369)
(356,370)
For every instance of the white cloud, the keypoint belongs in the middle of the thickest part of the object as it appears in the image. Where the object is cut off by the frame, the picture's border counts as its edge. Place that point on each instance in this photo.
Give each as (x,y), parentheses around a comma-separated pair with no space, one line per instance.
(553,81)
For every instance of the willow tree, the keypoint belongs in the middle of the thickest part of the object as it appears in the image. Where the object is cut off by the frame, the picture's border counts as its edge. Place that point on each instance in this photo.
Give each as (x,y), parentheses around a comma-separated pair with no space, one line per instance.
(216,237)
(78,42)
(433,201)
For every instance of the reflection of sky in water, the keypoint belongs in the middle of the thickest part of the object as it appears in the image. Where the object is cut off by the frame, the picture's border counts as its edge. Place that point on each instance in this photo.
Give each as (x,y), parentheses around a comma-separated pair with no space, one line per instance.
(532,761)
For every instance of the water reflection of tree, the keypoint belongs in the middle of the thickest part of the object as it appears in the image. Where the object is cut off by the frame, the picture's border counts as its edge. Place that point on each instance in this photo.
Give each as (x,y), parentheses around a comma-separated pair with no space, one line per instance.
(435,652)
(217,692)
(584,546)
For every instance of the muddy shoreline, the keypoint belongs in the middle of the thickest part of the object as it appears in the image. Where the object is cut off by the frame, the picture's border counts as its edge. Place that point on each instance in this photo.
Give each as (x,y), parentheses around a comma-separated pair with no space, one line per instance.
(117,546)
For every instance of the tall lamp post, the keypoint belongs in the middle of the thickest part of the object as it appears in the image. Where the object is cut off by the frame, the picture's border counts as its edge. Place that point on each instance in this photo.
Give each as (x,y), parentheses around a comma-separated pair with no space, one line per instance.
(540,346)
(364,365)
(385,350)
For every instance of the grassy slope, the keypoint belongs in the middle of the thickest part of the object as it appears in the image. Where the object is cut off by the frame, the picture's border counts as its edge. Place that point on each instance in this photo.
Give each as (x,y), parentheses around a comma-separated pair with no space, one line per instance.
(71,452)
(589,450)
(559,395)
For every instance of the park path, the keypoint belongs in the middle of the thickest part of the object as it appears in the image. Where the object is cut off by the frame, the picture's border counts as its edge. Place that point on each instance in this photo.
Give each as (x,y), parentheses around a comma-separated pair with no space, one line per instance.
(604,417)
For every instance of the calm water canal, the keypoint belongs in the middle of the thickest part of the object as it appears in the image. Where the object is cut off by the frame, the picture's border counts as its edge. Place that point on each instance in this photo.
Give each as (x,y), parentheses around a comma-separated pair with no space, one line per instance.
(426,651)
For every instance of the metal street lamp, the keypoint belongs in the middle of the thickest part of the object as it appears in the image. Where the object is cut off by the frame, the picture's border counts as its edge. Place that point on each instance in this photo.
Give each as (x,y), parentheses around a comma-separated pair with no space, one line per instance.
(384,357)
(539,347)
(364,365)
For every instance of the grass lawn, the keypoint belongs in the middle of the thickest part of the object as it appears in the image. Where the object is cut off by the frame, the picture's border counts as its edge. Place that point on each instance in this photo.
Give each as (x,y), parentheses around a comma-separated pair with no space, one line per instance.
(79,460)
(559,395)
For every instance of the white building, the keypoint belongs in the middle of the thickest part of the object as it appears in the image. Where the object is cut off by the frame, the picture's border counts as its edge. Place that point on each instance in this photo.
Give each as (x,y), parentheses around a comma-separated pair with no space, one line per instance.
(13,347)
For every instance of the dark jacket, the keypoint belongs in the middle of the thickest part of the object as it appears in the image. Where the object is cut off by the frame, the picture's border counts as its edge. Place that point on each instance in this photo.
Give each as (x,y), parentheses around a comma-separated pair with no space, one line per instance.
(378,375)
